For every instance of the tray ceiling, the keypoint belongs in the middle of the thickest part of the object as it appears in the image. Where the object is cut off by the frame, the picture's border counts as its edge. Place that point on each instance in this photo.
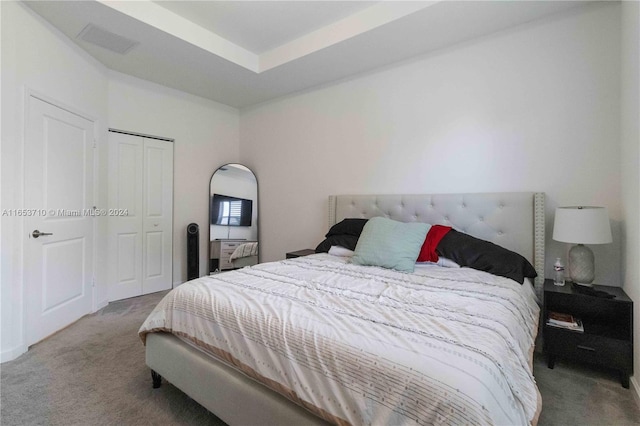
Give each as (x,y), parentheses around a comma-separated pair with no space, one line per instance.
(242,53)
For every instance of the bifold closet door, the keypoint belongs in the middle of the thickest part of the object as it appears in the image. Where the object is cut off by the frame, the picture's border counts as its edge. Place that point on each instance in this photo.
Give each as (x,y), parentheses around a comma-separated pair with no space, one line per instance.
(140,215)
(157,223)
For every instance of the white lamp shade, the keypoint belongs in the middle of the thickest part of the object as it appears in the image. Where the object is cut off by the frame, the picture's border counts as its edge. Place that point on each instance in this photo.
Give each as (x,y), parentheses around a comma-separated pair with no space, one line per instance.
(582,225)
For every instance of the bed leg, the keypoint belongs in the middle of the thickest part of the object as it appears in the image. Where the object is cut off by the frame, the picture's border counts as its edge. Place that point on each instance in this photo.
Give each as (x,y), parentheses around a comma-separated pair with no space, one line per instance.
(157,379)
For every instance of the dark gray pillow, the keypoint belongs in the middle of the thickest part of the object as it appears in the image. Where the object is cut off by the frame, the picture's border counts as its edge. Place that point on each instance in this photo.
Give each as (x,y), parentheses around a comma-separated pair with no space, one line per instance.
(350,226)
(346,241)
(475,253)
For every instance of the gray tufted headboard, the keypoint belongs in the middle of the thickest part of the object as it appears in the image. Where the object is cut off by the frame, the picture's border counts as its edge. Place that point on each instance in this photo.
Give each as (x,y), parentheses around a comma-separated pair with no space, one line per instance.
(514,220)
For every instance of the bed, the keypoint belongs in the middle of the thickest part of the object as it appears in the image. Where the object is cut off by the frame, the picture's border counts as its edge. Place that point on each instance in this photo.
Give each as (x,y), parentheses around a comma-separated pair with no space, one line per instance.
(259,372)
(245,255)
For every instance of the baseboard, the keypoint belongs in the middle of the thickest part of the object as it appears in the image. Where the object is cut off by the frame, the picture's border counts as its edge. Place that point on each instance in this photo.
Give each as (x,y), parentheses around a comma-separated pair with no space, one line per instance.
(635,388)
(11,354)
(101,305)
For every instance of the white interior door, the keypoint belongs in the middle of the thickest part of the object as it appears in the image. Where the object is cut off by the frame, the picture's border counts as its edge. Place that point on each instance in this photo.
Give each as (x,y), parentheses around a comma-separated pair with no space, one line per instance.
(125,231)
(158,216)
(140,243)
(58,273)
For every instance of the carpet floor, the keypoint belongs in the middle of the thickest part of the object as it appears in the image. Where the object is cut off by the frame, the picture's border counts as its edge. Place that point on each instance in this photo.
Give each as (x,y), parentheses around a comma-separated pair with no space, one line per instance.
(93,373)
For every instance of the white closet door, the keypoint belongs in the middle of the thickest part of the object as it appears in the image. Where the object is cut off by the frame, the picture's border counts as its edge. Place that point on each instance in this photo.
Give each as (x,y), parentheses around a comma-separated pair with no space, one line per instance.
(125,232)
(140,243)
(158,216)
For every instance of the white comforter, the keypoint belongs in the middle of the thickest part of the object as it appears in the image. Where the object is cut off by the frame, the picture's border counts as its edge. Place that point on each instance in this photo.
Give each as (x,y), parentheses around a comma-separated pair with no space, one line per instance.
(366,345)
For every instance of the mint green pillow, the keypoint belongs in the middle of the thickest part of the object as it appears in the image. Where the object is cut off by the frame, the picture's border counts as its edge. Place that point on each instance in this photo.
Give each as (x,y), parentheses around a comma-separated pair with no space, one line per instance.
(390,244)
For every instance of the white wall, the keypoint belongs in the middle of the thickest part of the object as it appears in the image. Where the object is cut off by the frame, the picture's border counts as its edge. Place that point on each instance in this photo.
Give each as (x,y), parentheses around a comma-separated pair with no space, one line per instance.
(37,57)
(535,108)
(206,137)
(630,136)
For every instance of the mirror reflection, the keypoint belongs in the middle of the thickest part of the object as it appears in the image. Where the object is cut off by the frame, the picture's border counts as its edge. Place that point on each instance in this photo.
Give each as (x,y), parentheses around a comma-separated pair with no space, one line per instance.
(233,218)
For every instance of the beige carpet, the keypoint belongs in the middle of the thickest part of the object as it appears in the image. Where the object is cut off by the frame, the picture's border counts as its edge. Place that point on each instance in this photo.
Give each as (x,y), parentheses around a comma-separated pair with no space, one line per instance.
(581,394)
(93,373)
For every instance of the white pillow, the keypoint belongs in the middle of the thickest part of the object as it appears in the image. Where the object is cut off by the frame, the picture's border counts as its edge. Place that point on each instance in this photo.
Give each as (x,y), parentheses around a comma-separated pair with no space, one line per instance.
(447,263)
(340,251)
(442,261)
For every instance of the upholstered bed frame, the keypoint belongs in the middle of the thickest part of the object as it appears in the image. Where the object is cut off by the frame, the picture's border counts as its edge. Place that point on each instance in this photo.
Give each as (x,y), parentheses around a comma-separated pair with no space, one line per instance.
(513,220)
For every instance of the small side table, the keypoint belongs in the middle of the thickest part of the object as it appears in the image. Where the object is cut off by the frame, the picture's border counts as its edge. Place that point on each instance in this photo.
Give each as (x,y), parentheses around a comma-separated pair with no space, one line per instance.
(608,328)
(300,253)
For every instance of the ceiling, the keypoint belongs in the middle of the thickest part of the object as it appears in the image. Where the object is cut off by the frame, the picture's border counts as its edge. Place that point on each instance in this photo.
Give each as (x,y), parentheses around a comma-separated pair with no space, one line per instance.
(259,26)
(241,53)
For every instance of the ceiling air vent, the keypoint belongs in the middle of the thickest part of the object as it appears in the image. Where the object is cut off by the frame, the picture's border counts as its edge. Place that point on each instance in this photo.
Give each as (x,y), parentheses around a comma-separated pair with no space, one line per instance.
(103,38)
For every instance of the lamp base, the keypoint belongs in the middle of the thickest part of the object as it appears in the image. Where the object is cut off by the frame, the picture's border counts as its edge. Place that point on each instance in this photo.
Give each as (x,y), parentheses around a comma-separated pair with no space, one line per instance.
(581,265)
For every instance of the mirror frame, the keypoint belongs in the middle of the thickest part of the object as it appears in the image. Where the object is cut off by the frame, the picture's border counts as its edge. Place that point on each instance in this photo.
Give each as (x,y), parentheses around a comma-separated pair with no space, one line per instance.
(255,214)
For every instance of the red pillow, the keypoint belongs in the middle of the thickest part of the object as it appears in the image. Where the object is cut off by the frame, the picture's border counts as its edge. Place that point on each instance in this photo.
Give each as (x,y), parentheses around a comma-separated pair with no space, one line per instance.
(428,250)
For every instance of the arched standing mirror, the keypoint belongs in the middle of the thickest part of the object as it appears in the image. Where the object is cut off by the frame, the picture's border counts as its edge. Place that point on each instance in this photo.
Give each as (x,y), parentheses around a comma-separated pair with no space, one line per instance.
(233,218)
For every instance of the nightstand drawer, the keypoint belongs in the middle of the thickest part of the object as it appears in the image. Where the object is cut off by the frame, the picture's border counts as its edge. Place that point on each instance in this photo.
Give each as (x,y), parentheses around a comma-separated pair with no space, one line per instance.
(226,253)
(589,348)
(230,245)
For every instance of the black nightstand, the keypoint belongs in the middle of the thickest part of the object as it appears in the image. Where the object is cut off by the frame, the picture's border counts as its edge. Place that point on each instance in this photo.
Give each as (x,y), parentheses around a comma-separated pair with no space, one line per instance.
(300,253)
(608,328)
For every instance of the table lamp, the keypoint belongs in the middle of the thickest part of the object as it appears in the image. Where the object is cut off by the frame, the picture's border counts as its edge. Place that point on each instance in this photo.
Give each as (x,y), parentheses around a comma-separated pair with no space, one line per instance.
(582,225)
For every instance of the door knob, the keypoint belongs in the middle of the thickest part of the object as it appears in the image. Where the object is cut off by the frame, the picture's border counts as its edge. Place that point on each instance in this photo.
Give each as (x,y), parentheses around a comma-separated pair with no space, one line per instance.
(37,233)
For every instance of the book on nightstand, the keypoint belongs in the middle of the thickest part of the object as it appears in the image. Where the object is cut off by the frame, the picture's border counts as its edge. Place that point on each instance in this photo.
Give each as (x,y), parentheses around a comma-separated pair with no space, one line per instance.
(566,321)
